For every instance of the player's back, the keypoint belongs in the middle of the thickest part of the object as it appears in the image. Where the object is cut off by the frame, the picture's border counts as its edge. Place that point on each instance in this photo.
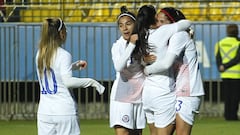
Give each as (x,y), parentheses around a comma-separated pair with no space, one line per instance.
(55,97)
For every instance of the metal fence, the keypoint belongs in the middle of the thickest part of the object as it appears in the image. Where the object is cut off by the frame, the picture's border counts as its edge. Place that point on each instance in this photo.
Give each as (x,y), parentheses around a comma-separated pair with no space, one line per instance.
(19,89)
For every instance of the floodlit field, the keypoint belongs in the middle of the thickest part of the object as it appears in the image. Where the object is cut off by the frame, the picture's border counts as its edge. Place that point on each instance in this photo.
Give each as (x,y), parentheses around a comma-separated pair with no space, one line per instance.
(203,126)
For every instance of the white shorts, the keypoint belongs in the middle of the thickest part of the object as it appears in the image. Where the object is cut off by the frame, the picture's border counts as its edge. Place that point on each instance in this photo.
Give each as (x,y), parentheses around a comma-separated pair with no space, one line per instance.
(58,125)
(128,115)
(160,110)
(187,107)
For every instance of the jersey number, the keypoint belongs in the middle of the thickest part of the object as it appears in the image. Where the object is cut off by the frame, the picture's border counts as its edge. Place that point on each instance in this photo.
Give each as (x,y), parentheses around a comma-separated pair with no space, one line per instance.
(179,105)
(46,89)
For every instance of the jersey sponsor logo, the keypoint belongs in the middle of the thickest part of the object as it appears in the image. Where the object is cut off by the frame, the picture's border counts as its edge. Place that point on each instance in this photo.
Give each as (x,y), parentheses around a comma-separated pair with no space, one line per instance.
(125,118)
(45,87)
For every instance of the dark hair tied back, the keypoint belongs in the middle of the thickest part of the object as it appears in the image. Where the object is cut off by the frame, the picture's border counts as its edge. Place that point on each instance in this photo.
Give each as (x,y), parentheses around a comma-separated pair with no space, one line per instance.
(125,12)
(123,9)
(145,18)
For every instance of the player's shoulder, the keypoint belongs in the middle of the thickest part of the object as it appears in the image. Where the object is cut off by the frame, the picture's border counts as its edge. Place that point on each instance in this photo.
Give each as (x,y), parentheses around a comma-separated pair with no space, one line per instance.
(62,52)
(182,35)
(119,43)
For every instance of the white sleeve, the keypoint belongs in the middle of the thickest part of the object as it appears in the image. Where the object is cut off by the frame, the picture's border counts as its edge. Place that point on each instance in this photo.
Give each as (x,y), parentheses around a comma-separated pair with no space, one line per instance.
(176,45)
(177,42)
(183,25)
(166,31)
(120,60)
(74,82)
(161,65)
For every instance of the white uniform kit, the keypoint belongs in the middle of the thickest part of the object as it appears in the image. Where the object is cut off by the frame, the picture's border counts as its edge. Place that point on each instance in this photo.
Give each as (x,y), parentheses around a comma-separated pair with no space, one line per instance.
(57,104)
(189,85)
(158,94)
(126,93)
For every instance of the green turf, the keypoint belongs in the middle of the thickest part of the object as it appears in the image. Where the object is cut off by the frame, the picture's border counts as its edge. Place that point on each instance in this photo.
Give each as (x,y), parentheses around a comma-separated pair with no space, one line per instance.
(203,126)
(215,126)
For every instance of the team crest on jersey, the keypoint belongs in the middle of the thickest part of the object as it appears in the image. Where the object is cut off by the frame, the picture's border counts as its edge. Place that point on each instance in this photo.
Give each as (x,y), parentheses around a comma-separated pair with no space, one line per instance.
(125,118)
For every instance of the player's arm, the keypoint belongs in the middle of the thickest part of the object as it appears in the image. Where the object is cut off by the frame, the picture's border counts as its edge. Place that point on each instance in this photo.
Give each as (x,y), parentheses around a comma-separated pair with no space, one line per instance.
(120,61)
(160,66)
(176,45)
(74,82)
(167,30)
(183,25)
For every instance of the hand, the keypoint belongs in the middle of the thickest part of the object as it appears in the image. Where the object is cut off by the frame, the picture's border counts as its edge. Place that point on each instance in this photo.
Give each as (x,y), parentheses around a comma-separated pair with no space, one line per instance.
(99,87)
(150,58)
(221,68)
(82,64)
(79,65)
(133,38)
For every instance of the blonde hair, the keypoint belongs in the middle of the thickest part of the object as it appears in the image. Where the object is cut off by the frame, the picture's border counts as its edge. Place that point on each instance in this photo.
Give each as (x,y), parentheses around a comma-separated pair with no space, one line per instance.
(50,40)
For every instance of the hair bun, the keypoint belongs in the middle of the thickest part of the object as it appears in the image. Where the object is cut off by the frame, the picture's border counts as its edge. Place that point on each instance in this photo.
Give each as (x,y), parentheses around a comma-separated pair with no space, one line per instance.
(123,9)
(125,12)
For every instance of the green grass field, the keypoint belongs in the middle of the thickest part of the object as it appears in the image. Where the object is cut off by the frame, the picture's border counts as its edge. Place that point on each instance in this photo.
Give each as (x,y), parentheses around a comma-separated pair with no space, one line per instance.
(203,126)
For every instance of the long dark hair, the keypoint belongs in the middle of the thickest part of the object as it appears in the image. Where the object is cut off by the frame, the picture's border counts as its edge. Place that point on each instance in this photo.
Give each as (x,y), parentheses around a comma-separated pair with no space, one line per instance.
(145,18)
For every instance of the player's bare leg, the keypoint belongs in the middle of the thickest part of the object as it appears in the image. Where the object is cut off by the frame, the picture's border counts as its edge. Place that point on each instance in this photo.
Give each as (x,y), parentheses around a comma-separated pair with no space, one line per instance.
(120,130)
(153,129)
(182,128)
(165,131)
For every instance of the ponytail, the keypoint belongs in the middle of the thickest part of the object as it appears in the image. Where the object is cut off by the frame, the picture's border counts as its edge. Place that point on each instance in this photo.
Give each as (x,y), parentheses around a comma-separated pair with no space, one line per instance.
(49,42)
(145,18)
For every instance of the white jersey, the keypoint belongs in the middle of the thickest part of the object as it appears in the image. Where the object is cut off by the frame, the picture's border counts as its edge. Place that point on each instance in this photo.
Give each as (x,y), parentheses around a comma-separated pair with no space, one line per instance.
(188,80)
(158,40)
(128,84)
(55,96)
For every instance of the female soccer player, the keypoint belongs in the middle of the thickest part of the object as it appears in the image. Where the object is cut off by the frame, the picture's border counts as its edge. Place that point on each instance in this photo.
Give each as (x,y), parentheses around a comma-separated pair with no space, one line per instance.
(158,92)
(126,112)
(57,111)
(189,88)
